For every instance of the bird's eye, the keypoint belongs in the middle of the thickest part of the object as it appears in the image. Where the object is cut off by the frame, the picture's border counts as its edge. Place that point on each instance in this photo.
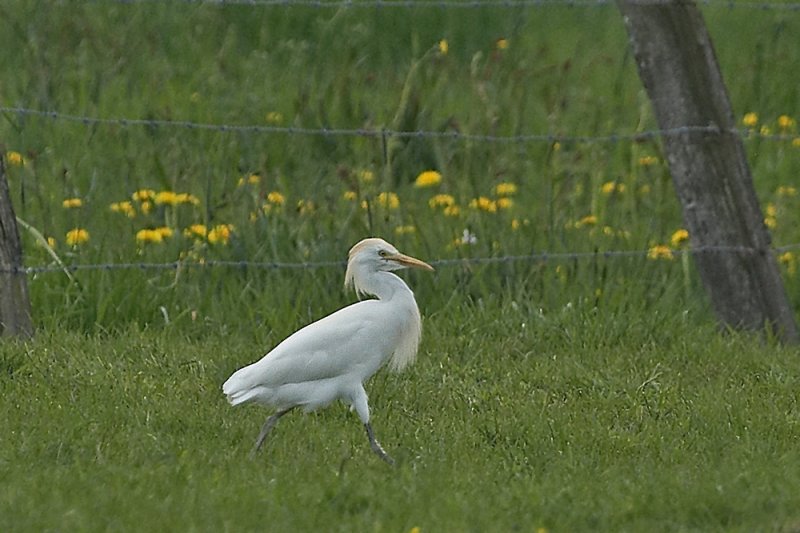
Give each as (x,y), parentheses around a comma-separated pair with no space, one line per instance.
(383,253)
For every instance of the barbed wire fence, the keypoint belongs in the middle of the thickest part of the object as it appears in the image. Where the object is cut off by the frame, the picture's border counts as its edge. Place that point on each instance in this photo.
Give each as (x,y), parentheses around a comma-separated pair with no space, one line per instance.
(311,265)
(746,134)
(463,4)
(387,132)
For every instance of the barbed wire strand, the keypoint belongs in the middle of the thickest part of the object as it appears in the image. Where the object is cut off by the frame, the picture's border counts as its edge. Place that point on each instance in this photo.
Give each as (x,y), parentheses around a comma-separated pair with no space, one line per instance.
(277,265)
(464,4)
(383,133)
(367,132)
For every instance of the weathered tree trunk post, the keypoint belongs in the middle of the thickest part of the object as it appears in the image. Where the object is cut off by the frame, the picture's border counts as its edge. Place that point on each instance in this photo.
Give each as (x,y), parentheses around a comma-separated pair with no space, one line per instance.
(15,307)
(707,160)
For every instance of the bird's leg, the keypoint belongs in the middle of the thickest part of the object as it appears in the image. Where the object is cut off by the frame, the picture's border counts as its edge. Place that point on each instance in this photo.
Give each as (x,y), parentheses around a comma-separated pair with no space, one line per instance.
(375,445)
(266,428)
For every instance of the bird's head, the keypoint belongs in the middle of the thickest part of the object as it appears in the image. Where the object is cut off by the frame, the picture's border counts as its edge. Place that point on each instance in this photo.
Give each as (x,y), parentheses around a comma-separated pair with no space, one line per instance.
(376,255)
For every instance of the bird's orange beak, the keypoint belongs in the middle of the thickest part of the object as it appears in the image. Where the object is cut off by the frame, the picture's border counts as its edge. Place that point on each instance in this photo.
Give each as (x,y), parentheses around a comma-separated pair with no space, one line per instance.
(411,262)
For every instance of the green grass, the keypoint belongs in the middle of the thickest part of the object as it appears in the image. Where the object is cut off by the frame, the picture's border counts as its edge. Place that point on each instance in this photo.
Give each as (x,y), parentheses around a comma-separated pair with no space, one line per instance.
(566,71)
(590,394)
(511,420)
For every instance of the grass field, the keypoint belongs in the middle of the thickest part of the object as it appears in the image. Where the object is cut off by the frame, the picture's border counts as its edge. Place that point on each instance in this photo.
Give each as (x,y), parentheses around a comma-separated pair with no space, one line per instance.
(569,394)
(574,421)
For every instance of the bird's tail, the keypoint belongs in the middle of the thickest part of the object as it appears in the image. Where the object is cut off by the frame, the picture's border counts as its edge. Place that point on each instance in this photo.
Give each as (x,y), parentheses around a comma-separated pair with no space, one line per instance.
(239,388)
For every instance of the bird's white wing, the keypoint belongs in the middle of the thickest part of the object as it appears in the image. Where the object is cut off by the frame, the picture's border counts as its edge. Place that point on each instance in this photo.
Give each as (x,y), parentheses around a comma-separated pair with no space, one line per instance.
(354,340)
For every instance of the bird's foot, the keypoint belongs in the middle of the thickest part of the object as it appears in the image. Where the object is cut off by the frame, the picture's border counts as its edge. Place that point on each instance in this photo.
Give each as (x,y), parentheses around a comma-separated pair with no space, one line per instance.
(266,429)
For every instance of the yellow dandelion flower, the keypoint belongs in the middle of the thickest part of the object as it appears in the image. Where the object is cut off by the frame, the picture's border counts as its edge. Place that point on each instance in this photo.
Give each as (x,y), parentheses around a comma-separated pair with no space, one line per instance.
(786,122)
(765,130)
(644,189)
(276,198)
(415,529)
(505,189)
(679,237)
(143,195)
(556,146)
(49,242)
(166,198)
(588,220)
(444,47)
(660,251)
(146,207)
(77,236)
(515,224)
(501,44)
(274,117)
(504,203)
(771,218)
(429,178)
(388,200)
(125,208)
(404,230)
(196,230)
(796,142)
(441,200)
(71,203)
(647,160)
(789,260)
(611,187)
(787,190)
(250,179)
(367,176)
(750,119)
(186,198)
(220,234)
(350,196)
(15,159)
(165,232)
(483,203)
(146,235)
(306,206)
(771,210)
(452,211)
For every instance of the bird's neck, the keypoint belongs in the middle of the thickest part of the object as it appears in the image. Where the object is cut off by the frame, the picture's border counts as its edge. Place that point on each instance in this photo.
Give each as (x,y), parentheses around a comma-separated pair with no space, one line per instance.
(384,286)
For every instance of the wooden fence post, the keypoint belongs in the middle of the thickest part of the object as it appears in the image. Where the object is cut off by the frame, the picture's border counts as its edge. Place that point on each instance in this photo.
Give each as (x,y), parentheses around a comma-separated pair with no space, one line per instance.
(15,307)
(708,163)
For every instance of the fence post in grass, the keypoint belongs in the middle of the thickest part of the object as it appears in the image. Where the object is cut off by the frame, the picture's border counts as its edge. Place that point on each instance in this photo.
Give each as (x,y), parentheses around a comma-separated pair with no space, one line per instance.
(15,307)
(707,160)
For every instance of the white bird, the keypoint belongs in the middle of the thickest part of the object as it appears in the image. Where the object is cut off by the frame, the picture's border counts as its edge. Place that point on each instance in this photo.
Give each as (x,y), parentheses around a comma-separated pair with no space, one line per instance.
(332,358)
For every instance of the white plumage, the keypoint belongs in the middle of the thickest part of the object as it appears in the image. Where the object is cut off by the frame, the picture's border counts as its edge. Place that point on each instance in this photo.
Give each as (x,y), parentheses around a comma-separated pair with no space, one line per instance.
(332,358)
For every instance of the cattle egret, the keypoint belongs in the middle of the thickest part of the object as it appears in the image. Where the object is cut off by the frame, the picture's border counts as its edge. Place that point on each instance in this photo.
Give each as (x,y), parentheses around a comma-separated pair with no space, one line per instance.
(333,357)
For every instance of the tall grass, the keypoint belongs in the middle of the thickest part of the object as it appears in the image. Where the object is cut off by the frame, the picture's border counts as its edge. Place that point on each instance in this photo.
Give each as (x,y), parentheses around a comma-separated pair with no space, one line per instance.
(563,71)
